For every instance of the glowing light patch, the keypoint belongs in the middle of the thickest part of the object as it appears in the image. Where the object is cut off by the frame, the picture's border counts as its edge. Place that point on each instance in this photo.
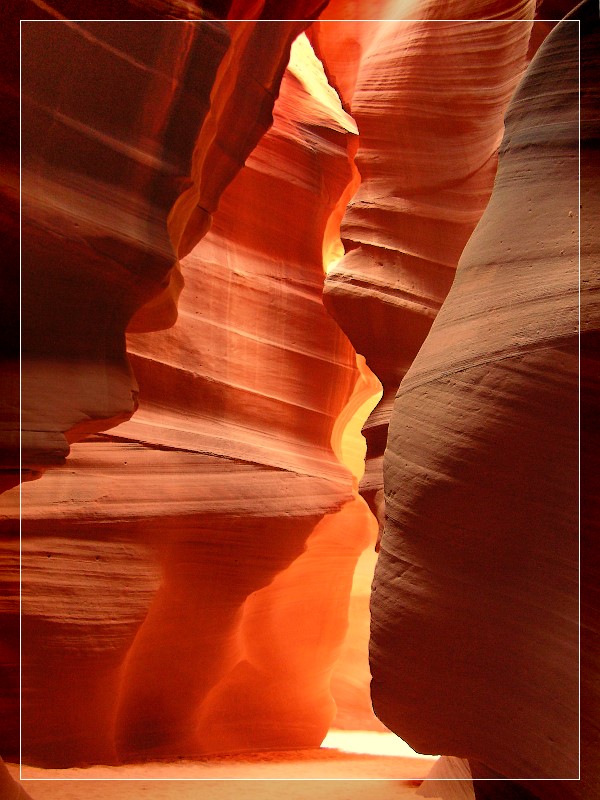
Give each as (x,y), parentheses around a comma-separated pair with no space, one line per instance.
(375,743)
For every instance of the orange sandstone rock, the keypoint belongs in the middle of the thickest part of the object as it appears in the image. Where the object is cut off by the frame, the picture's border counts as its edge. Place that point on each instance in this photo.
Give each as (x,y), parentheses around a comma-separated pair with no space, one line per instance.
(188,574)
(254,371)
(475,600)
(104,160)
(139,554)
(428,98)
(122,170)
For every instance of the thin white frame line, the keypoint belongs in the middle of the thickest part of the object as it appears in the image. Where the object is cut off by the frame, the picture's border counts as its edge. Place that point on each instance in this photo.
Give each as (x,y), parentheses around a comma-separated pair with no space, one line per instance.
(153,780)
(20,407)
(193,780)
(579,382)
(308,21)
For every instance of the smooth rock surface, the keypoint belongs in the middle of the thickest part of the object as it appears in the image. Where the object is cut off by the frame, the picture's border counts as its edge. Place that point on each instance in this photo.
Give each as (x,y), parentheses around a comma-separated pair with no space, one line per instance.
(139,554)
(97,191)
(122,170)
(188,576)
(428,98)
(478,567)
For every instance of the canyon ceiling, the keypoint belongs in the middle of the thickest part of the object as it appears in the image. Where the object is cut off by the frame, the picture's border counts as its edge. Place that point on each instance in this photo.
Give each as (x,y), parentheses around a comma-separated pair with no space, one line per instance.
(248,228)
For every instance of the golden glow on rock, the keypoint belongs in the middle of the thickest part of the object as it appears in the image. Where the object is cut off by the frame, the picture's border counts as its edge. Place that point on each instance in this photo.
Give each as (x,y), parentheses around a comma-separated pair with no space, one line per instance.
(354,446)
(306,68)
(347,441)
(377,743)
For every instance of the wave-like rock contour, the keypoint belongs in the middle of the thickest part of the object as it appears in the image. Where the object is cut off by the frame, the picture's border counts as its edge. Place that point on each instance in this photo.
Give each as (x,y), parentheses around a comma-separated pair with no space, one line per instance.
(428,97)
(475,603)
(157,599)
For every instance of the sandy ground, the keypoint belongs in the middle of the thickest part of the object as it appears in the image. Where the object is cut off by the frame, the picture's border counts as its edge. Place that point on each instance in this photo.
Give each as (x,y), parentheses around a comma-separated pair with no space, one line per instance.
(385,769)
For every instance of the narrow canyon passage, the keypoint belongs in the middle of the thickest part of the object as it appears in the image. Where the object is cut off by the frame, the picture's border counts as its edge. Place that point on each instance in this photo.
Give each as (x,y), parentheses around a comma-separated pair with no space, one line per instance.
(302,298)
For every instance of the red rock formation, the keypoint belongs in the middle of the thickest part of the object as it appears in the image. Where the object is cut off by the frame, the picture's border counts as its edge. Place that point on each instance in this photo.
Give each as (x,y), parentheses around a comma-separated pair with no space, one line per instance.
(210,491)
(9,788)
(96,195)
(590,398)
(427,170)
(478,562)
(165,564)
(280,692)
(286,362)
(133,133)
(102,170)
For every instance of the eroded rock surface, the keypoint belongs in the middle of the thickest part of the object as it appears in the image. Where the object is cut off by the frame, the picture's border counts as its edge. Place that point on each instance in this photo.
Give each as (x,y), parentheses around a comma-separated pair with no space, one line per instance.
(104,161)
(187,576)
(162,528)
(478,568)
(430,117)
(122,170)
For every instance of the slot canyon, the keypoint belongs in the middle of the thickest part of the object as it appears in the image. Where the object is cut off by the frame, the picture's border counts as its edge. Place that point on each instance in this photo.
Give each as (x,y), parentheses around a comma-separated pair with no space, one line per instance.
(300,375)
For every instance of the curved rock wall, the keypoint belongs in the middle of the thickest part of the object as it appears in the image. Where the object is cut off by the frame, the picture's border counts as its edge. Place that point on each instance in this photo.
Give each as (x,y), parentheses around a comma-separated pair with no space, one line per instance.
(122,170)
(210,491)
(475,603)
(166,564)
(590,398)
(103,162)
(428,98)
(257,372)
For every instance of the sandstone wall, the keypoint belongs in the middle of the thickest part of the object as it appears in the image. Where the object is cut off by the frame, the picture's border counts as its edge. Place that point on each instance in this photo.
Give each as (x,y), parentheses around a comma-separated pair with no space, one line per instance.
(139,553)
(187,575)
(428,98)
(476,587)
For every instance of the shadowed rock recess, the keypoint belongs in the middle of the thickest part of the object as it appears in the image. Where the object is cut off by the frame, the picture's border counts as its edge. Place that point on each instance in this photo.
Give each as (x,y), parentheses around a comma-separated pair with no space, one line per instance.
(241,224)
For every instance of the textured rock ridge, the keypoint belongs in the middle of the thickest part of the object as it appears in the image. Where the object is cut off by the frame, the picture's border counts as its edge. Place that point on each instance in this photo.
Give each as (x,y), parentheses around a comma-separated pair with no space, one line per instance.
(287,363)
(96,194)
(478,567)
(122,171)
(428,98)
(187,575)
(211,491)
(107,155)
(590,398)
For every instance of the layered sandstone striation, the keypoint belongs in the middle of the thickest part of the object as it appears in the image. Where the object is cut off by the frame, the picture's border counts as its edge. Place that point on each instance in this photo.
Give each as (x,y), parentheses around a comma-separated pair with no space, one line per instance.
(157,599)
(428,98)
(255,297)
(589,320)
(187,576)
(122,170)
(118,121)
(478,567)
(104,160)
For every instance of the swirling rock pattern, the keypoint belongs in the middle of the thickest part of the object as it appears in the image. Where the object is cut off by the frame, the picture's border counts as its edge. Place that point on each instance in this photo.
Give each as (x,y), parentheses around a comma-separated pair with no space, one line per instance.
(166,563)
(103,163)
(428,98)
(122,170)
(257,370)
(134,613)
(104,221)
(475,603)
